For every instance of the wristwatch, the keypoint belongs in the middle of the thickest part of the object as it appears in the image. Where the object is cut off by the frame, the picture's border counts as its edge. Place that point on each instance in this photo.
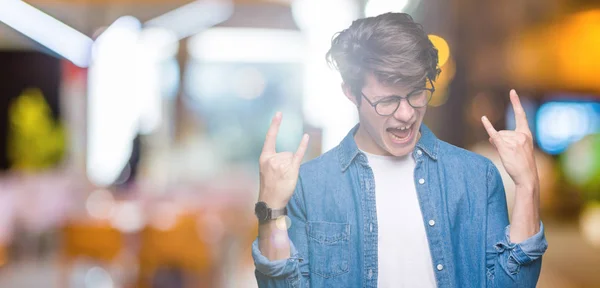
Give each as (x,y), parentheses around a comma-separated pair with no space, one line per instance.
(266,214)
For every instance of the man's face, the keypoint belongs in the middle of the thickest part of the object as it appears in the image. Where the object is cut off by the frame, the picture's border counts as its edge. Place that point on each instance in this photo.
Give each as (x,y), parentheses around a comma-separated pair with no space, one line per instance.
(396,134)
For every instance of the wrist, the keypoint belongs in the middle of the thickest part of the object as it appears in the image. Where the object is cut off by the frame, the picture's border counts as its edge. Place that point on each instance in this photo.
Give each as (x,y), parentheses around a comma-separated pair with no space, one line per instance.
(530,183)
(273,203)
(527,188)
(266,214)
(267,228)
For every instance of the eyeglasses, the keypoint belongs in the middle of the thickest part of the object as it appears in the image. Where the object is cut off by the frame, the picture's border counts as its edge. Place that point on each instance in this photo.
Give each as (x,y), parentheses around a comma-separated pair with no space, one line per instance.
(387,106)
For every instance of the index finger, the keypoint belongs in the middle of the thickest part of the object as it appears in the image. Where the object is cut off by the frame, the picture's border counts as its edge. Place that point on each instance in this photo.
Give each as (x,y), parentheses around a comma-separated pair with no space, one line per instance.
(271,138)
(489,127)
(520,116)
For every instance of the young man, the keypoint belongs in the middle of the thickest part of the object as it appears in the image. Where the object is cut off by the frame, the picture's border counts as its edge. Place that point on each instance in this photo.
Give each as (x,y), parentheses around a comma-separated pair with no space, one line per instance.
(392,205)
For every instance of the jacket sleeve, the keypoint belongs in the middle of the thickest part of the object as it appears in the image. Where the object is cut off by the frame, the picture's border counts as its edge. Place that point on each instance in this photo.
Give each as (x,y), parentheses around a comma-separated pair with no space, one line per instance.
(509,264)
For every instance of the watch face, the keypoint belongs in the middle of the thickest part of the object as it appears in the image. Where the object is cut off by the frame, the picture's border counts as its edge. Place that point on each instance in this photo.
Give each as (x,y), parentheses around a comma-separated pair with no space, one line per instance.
(261,211)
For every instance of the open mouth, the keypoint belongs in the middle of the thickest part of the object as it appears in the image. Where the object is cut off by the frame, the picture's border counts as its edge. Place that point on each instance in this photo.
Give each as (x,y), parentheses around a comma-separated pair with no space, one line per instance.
(401,134)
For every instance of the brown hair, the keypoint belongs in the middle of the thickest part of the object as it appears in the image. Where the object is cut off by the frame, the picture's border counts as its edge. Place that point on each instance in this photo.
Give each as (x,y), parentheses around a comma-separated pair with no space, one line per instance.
(391,46)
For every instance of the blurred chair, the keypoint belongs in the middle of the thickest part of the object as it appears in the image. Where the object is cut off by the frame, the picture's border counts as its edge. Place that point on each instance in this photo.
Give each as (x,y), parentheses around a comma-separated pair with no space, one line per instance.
(175,252)
(92,240)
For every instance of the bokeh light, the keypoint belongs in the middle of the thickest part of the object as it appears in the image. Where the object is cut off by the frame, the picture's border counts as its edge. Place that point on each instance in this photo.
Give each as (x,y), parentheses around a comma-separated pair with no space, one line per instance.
(161,133)
(581,165)
(211,227)
(164,215)
(440,97)
(443,48)
(448,67)
(248,83)
(590,223)
(559,124)
(484,103)
(100,204)
(546,172)
(128,217)
(97,277)
(283,223)
(377,7)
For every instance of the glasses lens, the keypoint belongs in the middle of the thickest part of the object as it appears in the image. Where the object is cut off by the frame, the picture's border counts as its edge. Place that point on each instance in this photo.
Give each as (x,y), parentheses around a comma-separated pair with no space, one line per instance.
(419,98)
(387,107)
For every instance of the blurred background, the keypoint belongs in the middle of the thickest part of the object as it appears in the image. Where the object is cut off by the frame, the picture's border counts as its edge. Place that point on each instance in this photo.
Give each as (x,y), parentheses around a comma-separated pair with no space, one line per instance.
(130,130)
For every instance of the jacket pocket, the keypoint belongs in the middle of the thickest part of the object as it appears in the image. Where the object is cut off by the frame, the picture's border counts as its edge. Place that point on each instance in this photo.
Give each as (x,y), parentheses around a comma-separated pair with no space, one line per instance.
(329,246)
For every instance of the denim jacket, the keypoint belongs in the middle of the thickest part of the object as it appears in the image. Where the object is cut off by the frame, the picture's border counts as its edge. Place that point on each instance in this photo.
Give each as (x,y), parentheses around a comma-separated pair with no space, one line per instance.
(334,229)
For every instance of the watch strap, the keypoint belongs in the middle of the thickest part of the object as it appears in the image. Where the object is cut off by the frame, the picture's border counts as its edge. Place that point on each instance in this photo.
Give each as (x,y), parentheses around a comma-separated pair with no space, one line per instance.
(276,213)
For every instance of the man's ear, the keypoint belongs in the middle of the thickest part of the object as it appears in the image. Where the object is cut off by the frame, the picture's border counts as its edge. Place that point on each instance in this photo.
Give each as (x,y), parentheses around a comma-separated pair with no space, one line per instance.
(348,92)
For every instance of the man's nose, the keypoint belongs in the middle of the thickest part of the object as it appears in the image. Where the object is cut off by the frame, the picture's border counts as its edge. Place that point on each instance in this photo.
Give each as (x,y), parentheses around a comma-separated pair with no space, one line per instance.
(405,112)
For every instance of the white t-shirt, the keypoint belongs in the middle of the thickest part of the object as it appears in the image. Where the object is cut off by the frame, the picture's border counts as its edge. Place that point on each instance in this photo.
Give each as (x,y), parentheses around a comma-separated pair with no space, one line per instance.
(403,250)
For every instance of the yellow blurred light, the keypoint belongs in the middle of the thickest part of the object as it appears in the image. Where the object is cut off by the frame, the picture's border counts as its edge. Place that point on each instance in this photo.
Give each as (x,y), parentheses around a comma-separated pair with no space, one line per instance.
(569,63)
(35,139)
(443,48)
(2,255)
(441,84)
(283,223)
(578,43)
(590,223)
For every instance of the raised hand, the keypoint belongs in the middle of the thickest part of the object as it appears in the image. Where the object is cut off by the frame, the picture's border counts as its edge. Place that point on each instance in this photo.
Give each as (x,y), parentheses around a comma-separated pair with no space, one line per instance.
(515,147)
(279,171)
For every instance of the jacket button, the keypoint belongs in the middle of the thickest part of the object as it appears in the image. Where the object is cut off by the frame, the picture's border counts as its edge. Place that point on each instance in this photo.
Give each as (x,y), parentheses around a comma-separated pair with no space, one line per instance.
(421,181)
(419,152)
(440,267)
(431,222)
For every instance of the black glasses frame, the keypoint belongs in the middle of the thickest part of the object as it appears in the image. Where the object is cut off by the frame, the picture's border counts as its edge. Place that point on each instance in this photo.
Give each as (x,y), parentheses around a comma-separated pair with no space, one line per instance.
(399,99)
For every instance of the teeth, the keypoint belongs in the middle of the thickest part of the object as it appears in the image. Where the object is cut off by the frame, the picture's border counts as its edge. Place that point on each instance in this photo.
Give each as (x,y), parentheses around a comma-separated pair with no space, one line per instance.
(402,128)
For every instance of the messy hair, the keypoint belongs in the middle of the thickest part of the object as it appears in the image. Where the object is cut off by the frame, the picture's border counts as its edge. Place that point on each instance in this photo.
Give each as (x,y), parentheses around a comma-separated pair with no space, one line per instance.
(391,46)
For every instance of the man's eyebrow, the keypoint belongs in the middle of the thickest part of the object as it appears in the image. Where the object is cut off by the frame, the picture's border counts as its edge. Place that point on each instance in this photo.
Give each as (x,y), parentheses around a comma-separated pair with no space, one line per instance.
(380,97)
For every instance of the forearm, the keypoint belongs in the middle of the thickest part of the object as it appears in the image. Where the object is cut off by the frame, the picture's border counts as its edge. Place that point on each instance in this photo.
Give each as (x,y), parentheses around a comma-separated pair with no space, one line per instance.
(277,259)
(273,242)
(278,273)
(514,252)
(525,220)
(278,263)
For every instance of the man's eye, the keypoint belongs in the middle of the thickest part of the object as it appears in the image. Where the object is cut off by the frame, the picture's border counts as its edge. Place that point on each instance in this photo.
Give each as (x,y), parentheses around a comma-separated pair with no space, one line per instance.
(389,101)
